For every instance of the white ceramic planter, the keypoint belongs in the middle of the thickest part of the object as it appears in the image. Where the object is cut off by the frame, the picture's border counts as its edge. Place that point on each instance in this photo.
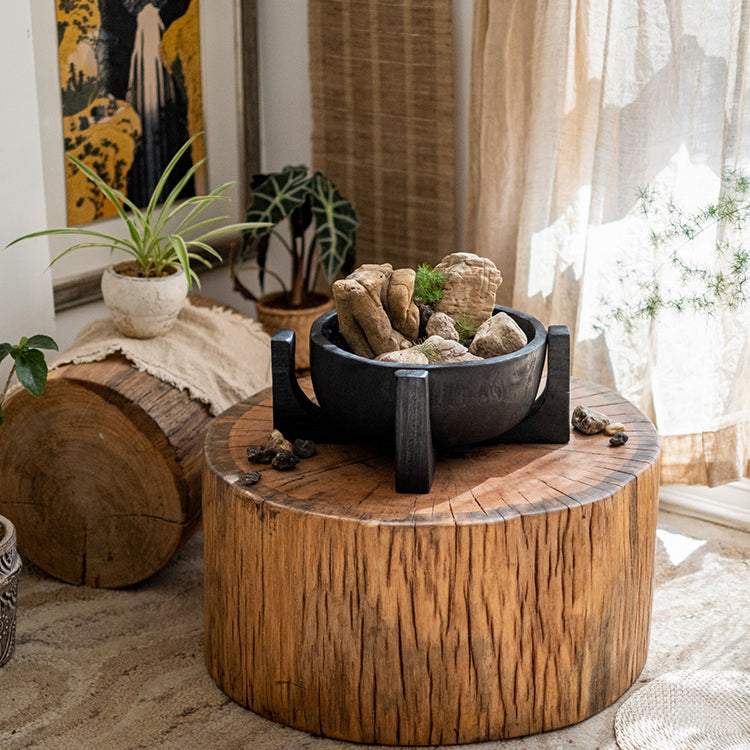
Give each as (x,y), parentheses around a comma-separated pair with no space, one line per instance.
(10,567)
(143,307)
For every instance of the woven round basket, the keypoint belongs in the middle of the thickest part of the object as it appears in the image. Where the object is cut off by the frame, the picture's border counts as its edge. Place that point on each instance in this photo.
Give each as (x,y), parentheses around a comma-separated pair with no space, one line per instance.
(688,710)
(299,320)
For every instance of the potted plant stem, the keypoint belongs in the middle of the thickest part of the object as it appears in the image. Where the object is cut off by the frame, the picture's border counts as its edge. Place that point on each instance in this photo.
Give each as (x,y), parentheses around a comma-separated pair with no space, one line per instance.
(321,235)
(31,370)
(145,294)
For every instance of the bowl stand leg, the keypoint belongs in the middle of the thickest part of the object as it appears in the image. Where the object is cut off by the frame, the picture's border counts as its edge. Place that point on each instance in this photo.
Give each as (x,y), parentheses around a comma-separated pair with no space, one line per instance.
(415,453)
(548,418)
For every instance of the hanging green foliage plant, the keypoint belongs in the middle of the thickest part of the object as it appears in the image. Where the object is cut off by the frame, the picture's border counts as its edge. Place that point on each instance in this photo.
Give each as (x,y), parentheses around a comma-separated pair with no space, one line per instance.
(706,285)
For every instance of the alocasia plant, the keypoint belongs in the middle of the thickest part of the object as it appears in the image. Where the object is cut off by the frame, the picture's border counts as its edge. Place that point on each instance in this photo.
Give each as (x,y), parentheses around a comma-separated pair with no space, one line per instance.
(305,201)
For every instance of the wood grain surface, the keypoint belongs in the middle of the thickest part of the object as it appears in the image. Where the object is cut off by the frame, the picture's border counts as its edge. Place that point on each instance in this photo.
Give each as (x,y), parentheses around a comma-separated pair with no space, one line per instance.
(101,475)
(514,598)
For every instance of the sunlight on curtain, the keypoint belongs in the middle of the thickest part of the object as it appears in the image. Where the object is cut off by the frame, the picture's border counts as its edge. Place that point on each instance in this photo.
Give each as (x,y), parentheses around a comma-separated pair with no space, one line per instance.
(576,105)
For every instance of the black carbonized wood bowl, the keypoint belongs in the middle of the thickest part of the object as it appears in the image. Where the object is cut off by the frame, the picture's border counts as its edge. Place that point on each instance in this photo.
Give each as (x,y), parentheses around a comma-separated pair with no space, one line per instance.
(469,402)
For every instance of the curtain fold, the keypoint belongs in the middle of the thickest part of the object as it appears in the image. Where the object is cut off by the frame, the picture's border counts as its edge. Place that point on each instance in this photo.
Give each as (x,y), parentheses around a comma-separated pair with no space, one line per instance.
(381,75)
(575,106)
(500,112)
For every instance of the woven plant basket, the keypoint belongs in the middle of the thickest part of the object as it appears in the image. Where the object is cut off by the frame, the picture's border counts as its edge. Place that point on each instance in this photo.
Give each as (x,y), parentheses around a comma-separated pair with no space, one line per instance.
(272,316)
(10,567)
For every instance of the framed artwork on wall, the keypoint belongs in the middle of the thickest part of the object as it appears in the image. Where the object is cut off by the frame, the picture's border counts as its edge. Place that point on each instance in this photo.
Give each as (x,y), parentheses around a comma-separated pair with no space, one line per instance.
(131,94)
(121,85)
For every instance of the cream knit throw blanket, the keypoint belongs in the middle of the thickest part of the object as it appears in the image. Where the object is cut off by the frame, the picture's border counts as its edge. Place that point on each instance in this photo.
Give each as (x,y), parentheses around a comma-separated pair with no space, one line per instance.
(218,356)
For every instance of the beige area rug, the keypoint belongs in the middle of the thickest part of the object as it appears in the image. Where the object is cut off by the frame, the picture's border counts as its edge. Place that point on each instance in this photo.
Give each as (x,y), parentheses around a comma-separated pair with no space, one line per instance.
(700,709)
(119,670)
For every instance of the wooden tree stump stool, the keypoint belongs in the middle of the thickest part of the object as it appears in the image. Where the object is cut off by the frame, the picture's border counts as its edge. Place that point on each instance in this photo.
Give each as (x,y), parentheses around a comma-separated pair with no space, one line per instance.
(101,475)
(514,598)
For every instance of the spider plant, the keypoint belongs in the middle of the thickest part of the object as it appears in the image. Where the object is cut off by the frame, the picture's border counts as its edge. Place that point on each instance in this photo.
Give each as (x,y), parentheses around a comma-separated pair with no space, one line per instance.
(154,247)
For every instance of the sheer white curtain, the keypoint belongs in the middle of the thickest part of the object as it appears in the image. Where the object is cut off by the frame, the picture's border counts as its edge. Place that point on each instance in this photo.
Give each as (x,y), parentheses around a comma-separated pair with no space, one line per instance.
(575,105)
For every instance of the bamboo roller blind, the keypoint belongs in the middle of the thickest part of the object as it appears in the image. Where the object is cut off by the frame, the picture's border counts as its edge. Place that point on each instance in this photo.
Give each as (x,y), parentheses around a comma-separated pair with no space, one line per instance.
(383,121)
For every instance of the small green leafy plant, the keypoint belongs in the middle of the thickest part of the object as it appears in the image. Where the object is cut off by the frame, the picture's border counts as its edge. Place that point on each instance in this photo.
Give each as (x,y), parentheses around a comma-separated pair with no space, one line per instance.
(427,348)
(429,285)
(29,365)
(302,201)
(156,248)
(705,286)
(467,328)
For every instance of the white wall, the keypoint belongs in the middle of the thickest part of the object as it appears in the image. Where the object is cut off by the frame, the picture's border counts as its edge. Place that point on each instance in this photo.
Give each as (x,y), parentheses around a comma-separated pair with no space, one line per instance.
(25,287)
(285,116)
(285,124)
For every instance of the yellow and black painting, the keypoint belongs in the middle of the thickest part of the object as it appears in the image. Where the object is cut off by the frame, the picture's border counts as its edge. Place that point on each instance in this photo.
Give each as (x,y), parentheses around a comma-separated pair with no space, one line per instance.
(130,73)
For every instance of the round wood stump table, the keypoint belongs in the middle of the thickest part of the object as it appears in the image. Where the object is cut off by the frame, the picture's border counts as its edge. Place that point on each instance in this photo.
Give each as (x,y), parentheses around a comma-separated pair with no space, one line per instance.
(101,476)
(514,598)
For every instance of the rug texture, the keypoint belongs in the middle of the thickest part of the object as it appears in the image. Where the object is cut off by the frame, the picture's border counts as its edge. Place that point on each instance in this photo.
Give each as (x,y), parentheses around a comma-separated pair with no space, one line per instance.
(700,709)
(123,669)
